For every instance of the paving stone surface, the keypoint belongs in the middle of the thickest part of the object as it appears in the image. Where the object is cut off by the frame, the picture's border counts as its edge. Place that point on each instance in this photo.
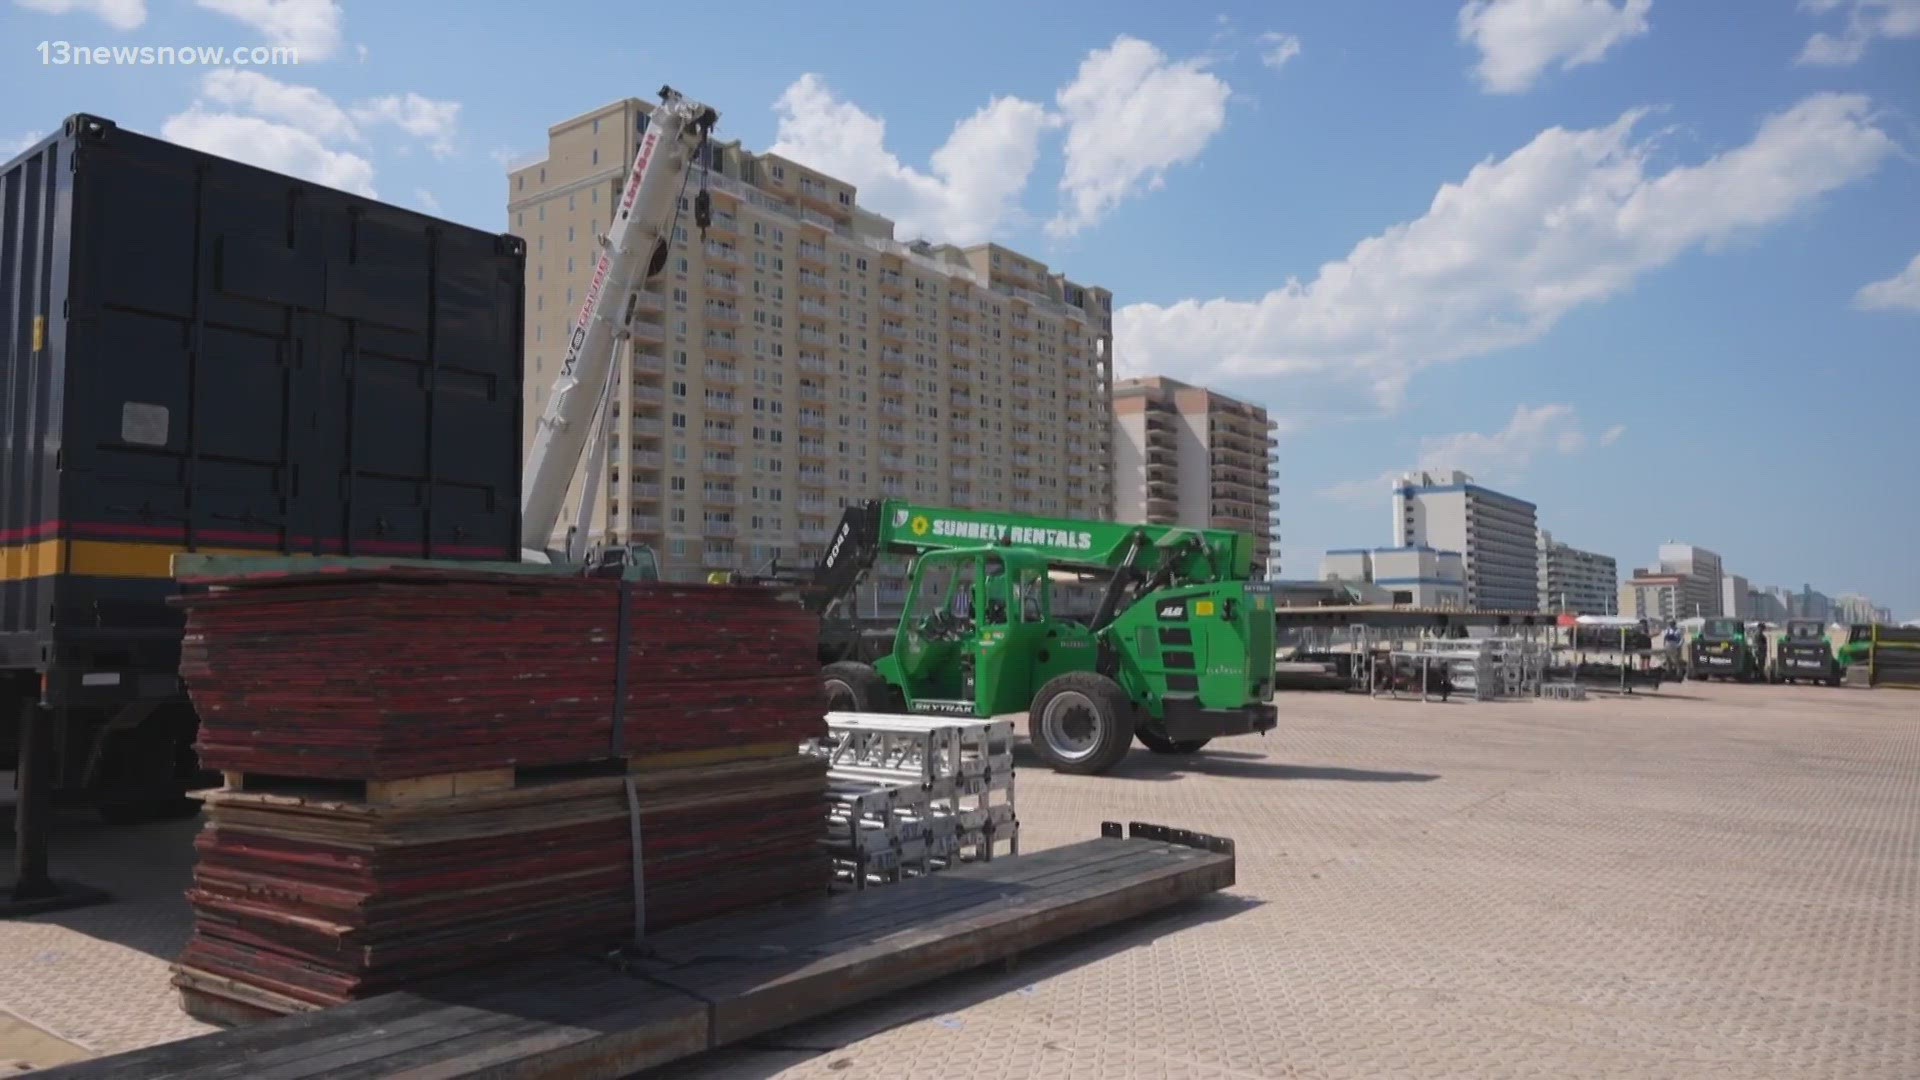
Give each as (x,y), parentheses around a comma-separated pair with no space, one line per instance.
(97,976)
(1718,881)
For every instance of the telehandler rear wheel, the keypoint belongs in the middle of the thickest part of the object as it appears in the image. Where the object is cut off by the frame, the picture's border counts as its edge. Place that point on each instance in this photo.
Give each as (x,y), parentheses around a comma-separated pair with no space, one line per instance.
(852,686)
(1081,723)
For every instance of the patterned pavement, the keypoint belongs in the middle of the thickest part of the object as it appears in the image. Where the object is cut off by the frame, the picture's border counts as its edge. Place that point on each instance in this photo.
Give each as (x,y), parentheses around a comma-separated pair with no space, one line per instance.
(1722,881)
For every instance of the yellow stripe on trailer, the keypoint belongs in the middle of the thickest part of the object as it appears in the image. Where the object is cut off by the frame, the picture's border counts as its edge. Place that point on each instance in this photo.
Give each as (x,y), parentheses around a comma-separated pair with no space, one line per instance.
(100,558)
(25,562)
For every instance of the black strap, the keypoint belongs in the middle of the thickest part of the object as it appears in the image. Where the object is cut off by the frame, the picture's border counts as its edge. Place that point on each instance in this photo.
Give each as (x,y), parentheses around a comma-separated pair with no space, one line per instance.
(639,872)
(621,636)
(617,750)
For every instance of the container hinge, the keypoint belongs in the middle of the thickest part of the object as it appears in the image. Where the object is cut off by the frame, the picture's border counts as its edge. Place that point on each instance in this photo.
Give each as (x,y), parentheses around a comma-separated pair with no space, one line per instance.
(88,127)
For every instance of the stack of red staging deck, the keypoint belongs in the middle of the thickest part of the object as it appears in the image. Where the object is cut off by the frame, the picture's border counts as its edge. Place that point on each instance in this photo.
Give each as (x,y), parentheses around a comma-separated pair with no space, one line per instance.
(434,769)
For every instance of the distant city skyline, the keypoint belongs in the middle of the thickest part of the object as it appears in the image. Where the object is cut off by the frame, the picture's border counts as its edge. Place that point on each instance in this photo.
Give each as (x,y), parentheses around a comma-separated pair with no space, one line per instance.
(1431,515)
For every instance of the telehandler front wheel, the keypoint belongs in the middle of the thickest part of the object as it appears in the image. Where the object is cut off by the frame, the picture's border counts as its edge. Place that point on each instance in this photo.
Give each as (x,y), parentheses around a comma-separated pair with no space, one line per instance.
(852,686)
(1081,723)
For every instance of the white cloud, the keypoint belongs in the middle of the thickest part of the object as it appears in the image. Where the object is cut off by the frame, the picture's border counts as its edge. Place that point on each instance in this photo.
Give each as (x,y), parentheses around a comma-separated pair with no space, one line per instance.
(1568,220)
(1520,39)
(1506,454)
(1361,491)
(1131,115)
(302,129)
(249,117)
(311,26)
(426,200)
(303,107)
(975,180)
(1501,457)
(119,14)
(270,145)
(1612,434)
(1901,292)
(435,122)
(10,147)
(1867,21)
(1277,48)
(508,158)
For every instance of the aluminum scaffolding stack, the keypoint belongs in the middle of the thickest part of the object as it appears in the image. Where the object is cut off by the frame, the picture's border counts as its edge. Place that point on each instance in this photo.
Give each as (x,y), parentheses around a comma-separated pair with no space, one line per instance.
(911,795)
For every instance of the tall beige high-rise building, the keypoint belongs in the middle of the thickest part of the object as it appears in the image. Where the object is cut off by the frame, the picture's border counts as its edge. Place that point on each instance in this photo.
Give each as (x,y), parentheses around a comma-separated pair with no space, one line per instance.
(1191,456)
(799,358)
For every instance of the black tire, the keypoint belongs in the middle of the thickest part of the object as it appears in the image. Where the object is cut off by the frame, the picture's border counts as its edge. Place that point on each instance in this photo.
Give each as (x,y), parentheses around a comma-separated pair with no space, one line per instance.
(852,686)
(1081,723)
(1160,744)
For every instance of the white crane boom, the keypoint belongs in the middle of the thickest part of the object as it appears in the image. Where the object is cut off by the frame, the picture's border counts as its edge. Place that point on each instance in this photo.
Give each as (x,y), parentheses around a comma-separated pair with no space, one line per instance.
(633,250)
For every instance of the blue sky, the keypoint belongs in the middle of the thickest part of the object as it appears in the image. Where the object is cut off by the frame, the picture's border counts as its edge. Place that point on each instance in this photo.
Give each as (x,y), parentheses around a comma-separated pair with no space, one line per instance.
(1650,264)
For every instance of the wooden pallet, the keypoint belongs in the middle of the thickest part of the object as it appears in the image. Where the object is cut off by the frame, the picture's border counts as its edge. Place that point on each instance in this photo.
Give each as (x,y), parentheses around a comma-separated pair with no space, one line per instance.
(709,984)
(439,786)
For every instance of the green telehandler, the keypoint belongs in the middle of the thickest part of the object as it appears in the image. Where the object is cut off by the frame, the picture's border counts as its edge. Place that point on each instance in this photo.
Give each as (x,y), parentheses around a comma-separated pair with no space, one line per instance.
(1178,652)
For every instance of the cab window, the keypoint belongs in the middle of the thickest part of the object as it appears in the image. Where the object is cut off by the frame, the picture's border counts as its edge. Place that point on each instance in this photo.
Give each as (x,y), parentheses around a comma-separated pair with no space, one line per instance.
(996,591)
(1033,583)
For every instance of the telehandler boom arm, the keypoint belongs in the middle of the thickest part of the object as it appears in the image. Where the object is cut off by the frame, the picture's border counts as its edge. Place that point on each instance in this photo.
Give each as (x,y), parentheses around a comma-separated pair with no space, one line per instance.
(1130,554)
